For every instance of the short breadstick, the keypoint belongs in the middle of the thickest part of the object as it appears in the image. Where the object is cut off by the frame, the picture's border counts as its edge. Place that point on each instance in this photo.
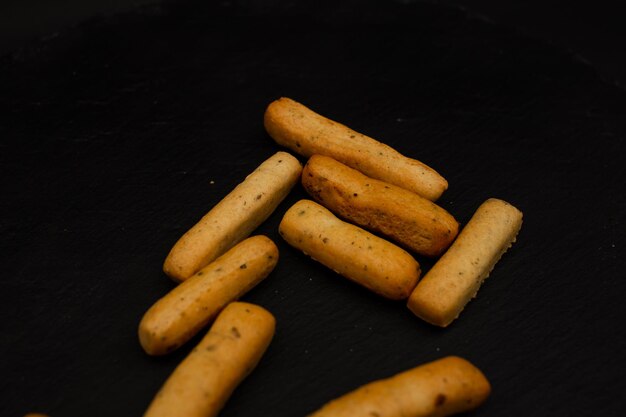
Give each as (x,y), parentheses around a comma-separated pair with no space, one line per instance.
(190,306)
(401,215)
(456,277)
(441,388)
(350,251)
(235,217)
(205,379)
(303,131)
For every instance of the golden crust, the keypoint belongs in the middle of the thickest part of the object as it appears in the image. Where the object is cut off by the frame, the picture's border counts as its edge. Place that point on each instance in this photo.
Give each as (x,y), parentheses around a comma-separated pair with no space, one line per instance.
(403,216)
(350,251)
(305,132)
(234,217)
(205,379)
(456,277)
(184,311)
(440,388)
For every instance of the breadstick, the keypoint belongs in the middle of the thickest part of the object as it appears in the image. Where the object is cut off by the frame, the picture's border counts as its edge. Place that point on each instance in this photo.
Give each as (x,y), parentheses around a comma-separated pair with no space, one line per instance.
(178,316)
(235,217)
(349,250)
(441,388)
(456,277)
(205,379)
(403,216)
(305,132)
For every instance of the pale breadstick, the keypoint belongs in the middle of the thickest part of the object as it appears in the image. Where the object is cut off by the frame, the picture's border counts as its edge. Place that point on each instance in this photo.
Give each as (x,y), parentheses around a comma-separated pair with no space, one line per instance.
(303,131)
(441,388)
(350,251)
(180,314)
(456,277)
(401,215)
(205,379)
(235,217)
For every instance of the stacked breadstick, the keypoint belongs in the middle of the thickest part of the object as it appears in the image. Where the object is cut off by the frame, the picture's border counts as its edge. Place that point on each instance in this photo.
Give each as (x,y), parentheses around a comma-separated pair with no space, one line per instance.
(374,209)
(367,195)
(374,189)
(216,263)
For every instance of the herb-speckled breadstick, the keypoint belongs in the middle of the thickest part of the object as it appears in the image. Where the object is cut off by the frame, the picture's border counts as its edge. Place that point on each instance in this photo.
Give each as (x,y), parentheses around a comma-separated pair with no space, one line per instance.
(456,277)
(441,388)
(190,306)
(305,132)
(350,251)
(205,379)
(403,216)
(235,217)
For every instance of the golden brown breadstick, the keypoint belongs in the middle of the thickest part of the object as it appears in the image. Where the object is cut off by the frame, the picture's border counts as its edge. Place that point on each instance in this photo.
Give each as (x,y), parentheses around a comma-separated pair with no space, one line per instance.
(441,388)
(178,316)
(205,379)
(456,277)
(401,215)
(350,251)
(303,131)
(235,217)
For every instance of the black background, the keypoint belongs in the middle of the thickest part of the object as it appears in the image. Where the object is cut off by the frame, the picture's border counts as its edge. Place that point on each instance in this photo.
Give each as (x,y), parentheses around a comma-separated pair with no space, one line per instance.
(594,31)
(112,131)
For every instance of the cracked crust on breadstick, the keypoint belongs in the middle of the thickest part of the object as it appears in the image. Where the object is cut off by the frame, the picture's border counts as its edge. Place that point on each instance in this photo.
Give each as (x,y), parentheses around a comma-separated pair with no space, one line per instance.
(412,221)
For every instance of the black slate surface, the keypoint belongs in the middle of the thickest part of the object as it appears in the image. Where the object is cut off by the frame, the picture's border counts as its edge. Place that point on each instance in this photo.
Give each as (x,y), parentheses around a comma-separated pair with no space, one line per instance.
(117,135)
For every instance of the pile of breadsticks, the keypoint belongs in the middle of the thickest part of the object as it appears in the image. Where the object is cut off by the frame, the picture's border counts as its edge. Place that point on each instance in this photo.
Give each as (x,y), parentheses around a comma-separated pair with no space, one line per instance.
(372,208)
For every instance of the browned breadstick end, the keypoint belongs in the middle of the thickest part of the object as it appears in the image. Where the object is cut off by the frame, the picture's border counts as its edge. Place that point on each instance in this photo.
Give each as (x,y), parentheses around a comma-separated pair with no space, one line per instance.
(441,388)
(303,131)
(456,277)
(401,215)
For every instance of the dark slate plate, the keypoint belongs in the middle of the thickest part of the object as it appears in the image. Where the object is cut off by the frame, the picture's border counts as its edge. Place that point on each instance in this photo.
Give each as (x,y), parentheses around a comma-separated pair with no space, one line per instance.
(118,134)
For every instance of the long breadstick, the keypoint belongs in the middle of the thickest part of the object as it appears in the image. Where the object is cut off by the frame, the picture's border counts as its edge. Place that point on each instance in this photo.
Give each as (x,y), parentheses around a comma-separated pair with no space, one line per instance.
(399,214)
(447,386)
(303,131)
(350,251)
(456,277)
(235,217)
(205,379)
(180,314)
